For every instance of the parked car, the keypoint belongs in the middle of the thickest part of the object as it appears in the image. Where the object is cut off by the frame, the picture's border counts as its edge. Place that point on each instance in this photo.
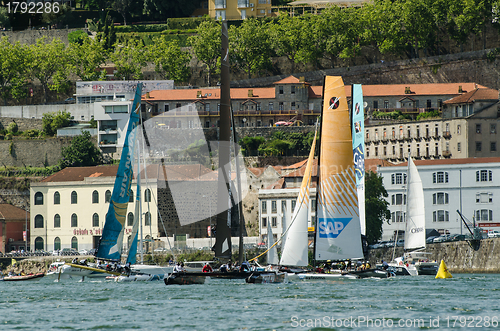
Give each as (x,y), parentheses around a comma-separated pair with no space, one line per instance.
(430,240)
(493,234)
(83,252)
(442,238)
(69,251)
(92,251)
(458,237)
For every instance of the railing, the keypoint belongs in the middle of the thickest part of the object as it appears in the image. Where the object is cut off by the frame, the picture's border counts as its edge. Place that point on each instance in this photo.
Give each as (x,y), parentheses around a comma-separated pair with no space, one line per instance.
(447,134)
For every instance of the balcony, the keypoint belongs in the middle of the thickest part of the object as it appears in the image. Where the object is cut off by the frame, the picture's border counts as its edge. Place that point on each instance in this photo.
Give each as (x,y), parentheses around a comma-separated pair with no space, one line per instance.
(447,134)
(446,154)
(243,4)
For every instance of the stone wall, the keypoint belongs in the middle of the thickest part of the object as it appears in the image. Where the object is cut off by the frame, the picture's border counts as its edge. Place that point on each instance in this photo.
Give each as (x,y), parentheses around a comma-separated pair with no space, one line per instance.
(458,256)
(35,153)
(22,123)
(30,36)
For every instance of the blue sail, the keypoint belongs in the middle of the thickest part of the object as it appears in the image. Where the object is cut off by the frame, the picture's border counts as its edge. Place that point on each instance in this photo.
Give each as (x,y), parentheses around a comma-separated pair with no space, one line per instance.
(358,146)
(111,244)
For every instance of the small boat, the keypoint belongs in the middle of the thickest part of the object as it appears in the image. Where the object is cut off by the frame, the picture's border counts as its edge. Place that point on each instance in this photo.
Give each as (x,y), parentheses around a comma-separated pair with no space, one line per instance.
(184,278)
(24,277)
(267,277)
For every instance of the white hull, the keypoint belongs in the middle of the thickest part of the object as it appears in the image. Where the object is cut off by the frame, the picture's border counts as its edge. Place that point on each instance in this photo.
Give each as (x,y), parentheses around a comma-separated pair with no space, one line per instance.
(139,278)
(320,277)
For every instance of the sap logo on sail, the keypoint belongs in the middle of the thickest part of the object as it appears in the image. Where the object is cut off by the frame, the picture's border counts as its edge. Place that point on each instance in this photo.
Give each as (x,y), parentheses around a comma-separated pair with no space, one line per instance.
(332,227)
(416,230)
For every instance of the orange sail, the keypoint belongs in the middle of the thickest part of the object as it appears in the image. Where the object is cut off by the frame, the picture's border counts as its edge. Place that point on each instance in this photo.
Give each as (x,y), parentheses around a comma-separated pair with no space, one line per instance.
(338,234)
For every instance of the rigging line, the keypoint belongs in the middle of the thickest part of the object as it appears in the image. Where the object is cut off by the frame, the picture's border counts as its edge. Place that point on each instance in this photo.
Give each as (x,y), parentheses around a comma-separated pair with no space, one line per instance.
(294,214)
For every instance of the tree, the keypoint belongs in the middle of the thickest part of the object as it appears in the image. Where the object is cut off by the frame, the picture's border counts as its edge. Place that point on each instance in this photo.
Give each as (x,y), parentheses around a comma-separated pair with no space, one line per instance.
(12,74)
(129,60)
(125,7)
(86,59)
(55,120)
(81,153)
(170,61)
(287,39)
(48,62)
(77,37)
(4,18)
(206,44)
(162,9)
(249,46)
(376,206)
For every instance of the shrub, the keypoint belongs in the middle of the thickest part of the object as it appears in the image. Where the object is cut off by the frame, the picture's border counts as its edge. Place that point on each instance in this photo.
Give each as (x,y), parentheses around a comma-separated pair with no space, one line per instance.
(12,127)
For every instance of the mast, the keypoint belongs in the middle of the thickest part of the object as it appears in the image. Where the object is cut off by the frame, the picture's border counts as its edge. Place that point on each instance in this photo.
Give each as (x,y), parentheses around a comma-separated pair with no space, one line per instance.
(222,246)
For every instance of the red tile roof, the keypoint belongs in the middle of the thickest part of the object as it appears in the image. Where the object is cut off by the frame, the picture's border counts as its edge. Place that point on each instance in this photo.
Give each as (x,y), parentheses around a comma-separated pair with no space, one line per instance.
(450,161)
(474,95)
(72,174)
(290,80)
(12,213)
(416,89)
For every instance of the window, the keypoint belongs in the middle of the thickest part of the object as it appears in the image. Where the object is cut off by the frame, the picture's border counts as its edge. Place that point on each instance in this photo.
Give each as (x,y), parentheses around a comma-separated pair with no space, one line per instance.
(57,221)
(478,146)
(74,197)
(459,130)
(57,243)
(293,105)
(376,151)
(107,196)
(38,198)
(484,197)
(271,107)
(440,198)
(74,221)
(440,216)
(130,219)
(398,199)
(74,243)
(294,202)
(493,146)
(38,243)
(130,196)
(398,178)
(147,195)
(478,128)
(493,128)
(484,176)
(95,197)
(264,207)
(274,208)
(116,109)
(281,106)
(95,220)
(147,219)
(283,206)
(274,222)
(459,147)
(375,104)
(429,103)
(484,215)
(264,222)
(292,91)
(440,177)
(38,221)
(398,217)
(280,89)
(386,104)
(57,198)
(313,205)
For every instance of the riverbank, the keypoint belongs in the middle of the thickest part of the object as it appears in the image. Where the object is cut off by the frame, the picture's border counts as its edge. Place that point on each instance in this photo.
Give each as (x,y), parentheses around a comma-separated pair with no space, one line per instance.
(458,256)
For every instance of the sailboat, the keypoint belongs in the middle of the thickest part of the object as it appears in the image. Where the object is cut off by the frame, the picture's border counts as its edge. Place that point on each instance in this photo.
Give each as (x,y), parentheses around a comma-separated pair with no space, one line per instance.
(415,229)
(338,229)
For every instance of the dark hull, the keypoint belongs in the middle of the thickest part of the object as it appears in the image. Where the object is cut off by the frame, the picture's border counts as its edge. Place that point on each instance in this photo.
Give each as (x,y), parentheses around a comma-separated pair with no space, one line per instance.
(26,277)
(183,279)
(428,269)
(266,277)
(371,273)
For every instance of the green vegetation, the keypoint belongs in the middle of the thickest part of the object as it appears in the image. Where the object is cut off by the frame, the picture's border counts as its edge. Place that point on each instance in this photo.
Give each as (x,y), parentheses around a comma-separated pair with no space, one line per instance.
(81,153)
(376,206)
(55,120)
(429,114)
(280,144)
(395,115)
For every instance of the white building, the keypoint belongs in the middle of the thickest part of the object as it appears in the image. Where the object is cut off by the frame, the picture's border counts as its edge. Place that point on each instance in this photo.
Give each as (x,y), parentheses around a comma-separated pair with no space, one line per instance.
(469,185)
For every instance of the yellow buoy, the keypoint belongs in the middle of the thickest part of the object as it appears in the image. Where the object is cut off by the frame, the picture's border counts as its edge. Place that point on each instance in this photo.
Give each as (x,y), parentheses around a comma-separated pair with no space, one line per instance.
(443,271)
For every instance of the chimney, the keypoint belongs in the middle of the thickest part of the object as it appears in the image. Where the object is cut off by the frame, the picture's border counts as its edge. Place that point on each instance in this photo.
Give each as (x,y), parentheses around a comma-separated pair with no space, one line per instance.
(147,95)
(302,79)
(407,90)
(198,94)
(460,89)
(250,93)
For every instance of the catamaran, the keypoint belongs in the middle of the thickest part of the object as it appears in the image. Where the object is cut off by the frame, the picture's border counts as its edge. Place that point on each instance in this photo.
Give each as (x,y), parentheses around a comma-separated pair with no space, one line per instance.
(338,228)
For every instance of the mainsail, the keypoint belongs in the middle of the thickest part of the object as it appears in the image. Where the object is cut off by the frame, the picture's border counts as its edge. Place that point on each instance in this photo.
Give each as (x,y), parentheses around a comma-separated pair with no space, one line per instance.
(111,244)
(415,210)
(358,146)
(296,244)
(338,233)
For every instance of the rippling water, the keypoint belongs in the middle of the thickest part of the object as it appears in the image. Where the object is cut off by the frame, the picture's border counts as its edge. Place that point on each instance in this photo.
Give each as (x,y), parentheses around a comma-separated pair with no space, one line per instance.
(467,301)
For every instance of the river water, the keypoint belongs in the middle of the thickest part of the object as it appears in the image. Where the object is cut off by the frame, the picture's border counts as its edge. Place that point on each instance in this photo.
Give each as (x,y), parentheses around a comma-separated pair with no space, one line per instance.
(467,301)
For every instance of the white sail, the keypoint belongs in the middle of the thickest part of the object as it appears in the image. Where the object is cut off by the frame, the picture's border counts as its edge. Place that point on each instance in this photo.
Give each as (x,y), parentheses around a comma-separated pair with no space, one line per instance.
(272,254)
(415,210)
(338,234)
(296,244)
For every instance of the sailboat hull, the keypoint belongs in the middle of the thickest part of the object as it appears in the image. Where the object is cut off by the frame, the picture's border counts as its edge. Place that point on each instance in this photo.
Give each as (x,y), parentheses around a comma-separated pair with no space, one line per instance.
(183,278)
(267,277)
